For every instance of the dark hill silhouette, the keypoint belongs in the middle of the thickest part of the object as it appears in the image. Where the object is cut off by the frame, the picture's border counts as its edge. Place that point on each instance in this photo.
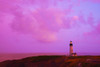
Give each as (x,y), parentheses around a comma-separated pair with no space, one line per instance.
(54,61)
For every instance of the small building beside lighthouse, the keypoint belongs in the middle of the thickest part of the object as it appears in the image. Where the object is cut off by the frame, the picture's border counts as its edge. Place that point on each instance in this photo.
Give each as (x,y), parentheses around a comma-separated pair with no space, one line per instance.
(71,53)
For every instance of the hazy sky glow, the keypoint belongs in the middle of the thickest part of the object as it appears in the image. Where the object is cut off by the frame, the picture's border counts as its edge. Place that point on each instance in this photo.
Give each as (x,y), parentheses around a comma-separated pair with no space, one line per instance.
(31,26)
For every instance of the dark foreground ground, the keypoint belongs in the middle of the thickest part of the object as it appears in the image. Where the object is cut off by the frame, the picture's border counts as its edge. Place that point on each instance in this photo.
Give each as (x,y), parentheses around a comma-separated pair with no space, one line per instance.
(54,61)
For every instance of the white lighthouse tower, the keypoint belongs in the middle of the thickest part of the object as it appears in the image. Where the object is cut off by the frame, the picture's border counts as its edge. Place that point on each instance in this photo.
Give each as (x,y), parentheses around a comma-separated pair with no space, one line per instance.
(71,49)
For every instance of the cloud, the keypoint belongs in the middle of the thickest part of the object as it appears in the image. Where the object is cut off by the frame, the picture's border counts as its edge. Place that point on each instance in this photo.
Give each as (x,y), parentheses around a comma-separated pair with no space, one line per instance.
(39,18)
(43,24)
(35,17)
(96,30)
(94,1)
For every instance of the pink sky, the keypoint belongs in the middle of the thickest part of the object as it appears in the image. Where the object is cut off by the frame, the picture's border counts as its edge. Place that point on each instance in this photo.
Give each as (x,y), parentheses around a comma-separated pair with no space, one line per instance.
(46,26)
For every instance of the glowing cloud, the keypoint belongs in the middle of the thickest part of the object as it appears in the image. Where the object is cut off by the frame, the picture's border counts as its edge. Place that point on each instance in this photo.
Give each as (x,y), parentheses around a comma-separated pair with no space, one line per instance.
(27,23)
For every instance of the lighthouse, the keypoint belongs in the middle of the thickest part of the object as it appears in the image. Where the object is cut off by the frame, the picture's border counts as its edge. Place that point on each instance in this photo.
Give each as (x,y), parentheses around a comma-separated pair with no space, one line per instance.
(71,50)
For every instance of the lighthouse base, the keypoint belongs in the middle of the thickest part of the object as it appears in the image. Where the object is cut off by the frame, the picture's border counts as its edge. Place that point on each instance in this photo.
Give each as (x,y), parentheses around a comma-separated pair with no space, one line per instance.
(73,54)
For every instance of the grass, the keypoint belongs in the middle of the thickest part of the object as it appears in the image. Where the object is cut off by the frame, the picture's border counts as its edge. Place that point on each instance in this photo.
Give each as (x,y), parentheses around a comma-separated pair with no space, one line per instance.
(62,61)
(40,58)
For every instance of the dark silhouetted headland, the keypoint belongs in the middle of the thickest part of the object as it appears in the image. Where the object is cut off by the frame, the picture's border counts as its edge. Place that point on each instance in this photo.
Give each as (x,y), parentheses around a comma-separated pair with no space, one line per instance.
(54,61)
